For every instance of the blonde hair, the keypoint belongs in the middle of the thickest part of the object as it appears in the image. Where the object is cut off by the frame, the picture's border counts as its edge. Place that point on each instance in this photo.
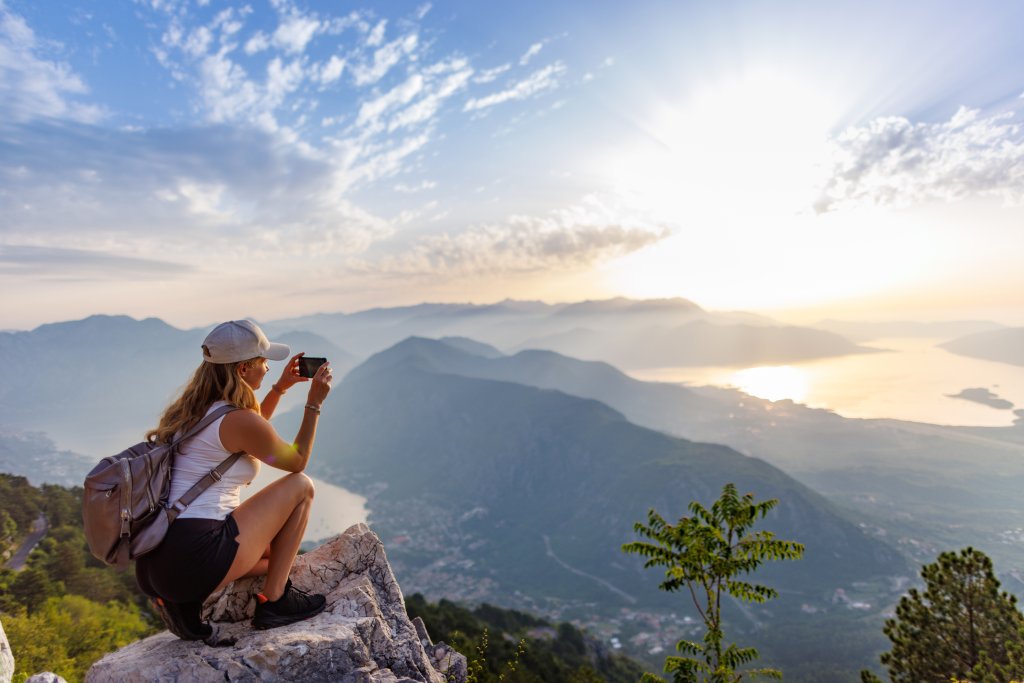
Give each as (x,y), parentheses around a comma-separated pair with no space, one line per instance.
(210,382)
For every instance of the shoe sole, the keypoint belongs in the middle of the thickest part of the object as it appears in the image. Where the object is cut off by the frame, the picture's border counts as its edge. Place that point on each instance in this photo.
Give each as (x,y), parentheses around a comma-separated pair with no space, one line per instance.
(173,626)
(275,621)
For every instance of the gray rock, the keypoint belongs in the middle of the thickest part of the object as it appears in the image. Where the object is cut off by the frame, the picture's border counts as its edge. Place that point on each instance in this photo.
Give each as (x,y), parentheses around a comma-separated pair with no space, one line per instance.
(6,658)
(364,635)
(45,677)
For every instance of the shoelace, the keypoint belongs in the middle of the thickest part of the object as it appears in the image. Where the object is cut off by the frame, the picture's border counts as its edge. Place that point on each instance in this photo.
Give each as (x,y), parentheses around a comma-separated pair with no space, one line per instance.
(288,588)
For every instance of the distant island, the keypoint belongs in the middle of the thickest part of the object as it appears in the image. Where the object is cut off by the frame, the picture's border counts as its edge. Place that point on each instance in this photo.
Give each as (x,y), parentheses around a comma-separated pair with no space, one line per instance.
(984,397)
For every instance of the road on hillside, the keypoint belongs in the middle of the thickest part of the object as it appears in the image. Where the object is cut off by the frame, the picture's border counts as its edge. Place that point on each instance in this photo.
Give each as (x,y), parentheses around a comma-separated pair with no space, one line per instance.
(39,528)
(574,570)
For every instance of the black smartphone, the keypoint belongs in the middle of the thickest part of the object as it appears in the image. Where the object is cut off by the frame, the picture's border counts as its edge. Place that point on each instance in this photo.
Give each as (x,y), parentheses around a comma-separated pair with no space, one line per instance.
(309,365)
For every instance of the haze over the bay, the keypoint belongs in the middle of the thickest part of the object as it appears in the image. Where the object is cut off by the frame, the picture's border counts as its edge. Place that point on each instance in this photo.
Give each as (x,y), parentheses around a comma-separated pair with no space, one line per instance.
(198,160)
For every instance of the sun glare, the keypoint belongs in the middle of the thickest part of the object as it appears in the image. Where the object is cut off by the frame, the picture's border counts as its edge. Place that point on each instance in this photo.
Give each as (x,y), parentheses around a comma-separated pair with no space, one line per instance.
(773,383)
(734,170)
(756,140)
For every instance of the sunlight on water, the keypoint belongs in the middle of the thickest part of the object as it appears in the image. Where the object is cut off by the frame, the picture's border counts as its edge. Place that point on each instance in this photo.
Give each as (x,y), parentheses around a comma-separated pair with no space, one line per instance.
(912,380)
(773,382)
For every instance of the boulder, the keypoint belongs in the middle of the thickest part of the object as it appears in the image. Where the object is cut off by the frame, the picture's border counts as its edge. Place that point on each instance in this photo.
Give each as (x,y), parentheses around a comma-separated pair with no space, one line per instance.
(363,636)
(45,677)
(6,658)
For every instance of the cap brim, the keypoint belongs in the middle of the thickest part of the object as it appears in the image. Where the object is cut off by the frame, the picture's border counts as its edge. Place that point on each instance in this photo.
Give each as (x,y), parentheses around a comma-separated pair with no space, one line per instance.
(277,351)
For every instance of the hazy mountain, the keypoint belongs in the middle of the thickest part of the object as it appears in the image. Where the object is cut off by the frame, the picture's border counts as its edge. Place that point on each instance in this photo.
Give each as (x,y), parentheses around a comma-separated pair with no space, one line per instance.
(1005,346)
(924,486)
(98,382)
(861,331)
(528,475)
(629,333)
(315,345)
(699,343)
(471,347)
(97,385)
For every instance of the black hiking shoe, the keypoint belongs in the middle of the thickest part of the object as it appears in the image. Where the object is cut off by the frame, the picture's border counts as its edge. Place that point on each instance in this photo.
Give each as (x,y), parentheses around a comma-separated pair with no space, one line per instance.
(182,619)
(293,605)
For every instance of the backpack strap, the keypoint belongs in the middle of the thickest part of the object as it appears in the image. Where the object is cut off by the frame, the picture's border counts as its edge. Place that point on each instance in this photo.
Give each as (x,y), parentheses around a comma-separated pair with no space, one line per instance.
(206,482)
(203,424)
(213,475)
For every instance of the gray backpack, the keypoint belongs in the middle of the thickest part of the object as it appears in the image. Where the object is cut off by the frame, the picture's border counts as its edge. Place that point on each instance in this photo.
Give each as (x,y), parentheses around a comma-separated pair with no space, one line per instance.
(125,506)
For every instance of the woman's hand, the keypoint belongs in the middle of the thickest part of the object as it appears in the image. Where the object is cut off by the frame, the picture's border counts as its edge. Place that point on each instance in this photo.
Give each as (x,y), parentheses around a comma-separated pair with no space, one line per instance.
(321,385)
(290,374)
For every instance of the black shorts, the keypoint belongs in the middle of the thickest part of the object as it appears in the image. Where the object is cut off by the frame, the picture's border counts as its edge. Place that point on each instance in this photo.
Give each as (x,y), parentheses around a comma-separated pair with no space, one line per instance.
(192,560)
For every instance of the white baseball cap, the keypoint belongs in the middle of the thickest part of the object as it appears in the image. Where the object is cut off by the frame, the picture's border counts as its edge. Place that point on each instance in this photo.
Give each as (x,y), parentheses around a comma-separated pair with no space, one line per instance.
(240,340)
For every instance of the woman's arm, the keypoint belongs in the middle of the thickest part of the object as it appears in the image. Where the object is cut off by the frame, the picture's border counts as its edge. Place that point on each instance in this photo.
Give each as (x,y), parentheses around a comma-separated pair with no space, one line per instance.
(244,430)
(289,377)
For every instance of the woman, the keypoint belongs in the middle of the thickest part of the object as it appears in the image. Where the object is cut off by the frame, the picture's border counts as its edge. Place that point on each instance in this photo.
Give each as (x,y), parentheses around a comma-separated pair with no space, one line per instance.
(216,539)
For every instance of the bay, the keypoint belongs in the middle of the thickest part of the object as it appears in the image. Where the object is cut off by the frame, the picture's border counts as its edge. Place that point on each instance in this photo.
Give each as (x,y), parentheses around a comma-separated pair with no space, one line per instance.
(913,380)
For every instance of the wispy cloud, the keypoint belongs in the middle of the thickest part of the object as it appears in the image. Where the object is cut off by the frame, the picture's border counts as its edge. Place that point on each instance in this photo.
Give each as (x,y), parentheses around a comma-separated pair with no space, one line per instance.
(32,86)
(419,187)
(78,263)
(295,31)
(162,191)
(892,161)
(371,110)
(530,53)
(540,80)
(488,75)
(251,171)
(384,59)
(566,238)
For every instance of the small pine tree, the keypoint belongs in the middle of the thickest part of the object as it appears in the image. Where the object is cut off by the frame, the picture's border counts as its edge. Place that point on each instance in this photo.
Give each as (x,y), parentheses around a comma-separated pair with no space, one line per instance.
(705,554)
(961,626)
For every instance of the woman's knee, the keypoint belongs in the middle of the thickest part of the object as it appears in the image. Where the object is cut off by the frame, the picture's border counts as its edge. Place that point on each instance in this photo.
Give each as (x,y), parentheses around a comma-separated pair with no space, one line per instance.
(303,484)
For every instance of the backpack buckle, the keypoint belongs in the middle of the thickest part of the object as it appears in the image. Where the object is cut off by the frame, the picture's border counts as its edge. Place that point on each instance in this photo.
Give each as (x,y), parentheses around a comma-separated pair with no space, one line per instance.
(216,475)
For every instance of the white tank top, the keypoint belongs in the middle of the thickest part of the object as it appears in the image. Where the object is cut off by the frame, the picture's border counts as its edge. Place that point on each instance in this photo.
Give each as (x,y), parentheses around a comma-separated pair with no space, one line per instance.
(197,456)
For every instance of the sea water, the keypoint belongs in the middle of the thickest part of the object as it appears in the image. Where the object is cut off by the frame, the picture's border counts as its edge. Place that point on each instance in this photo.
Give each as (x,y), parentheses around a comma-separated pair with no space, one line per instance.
(913,379)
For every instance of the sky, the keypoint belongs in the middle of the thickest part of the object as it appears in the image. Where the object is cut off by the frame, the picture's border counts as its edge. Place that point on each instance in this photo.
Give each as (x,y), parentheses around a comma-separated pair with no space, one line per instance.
(198,160)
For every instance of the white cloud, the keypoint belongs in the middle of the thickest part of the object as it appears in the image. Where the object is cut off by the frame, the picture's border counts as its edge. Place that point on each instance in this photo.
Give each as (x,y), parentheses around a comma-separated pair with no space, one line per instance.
(530,53)
(198,42)
(892,161)
(332,70)
(426,108)
(226,89)
(376,36)
(258,43)
(282,80)
(31,86)
(488,75)
(383,59)
(419,187)
(371,110)
(81,188)
(295,31)
(565,238)
(542,79)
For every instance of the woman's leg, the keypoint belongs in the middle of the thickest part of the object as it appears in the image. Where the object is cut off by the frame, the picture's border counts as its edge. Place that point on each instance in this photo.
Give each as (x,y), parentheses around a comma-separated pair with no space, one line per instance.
(274,517)
(261,566)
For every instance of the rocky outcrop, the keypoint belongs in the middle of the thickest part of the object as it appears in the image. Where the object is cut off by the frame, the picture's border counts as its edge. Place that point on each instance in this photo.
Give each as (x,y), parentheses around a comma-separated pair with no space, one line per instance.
(6,658)
(364,635)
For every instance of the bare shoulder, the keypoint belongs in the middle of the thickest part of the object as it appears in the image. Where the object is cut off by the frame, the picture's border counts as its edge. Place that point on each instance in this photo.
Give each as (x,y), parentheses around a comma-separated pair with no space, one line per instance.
(246,430)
